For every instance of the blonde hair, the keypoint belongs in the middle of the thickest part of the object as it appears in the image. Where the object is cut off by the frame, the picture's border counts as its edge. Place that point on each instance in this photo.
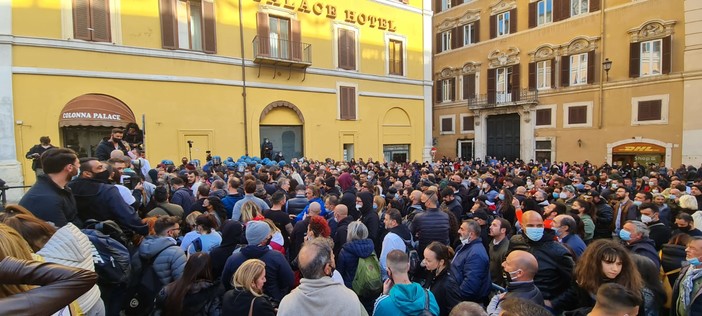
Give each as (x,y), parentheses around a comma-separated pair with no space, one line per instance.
(688,202)
(380,201)
(13,245)
(249,211)
(274,229)
(190,219)
(246,275)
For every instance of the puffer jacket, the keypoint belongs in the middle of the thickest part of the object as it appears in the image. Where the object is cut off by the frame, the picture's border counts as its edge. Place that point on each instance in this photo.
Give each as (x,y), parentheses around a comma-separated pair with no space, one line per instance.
(672,259)
(471,268)
(70,247)
(349,255)
(279,275)
(170,263)
(58,286)
(646,247)
(297,204)
(431,225)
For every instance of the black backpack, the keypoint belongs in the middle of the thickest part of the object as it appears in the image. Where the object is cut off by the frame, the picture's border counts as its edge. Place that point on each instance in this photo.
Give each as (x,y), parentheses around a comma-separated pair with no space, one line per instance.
(414,260)
(144,286)
(112,260)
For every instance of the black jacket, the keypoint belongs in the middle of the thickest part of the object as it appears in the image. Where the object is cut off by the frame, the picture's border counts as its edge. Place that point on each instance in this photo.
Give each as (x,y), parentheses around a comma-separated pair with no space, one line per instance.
(349,199)
(672,259)
(555,263)
(646,248)
(525,290)
(455,208)
(47,201)
(297,204)
(605,215)
(444,288)
(430,225)
(231,236)
(101,201)
(695,299)
(202,299)
(660,233)
(238,302)
(297,238)
(340,235)
(105,147)
(371,220)
(36,149)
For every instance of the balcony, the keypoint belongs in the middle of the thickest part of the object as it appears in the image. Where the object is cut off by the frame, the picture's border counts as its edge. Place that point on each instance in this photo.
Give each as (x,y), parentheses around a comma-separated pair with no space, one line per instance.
(493,100)
(269,51)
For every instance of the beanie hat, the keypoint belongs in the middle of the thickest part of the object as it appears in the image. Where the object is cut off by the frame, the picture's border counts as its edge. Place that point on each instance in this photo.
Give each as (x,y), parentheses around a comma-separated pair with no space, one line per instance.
(257,232)
(345,181)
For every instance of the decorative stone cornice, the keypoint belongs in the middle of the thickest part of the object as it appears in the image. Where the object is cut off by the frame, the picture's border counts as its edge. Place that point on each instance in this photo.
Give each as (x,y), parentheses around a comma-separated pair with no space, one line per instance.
(446,25)
(469,17)
(544,52)
(579,45)
(470,68)
(499,58)
(448,72)
(653,29)
(502,6)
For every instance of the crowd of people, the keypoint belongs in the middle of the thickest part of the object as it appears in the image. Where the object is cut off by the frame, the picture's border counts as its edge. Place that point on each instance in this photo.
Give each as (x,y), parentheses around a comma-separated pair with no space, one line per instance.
(113,236)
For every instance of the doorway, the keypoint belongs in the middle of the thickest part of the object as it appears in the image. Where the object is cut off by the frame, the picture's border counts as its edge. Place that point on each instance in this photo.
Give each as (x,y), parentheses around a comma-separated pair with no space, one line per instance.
(465,149)
(286,140)
(348,152)
(396,153)
(503,136)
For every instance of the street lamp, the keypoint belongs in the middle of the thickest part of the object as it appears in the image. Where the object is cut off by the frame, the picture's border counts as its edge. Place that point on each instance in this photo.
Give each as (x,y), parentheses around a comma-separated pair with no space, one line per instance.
(607,65)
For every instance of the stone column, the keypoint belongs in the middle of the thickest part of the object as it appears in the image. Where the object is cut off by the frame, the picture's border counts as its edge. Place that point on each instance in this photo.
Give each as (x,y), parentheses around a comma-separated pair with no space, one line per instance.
(692,65)
(10,168)
(427,78)
(480,141)
(527,116)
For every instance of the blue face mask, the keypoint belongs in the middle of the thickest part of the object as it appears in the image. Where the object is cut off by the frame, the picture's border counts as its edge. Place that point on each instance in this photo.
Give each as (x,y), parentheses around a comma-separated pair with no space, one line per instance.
(535,233)
(624,235)
(501,196)
(556,195)
(694,262)
(637,203)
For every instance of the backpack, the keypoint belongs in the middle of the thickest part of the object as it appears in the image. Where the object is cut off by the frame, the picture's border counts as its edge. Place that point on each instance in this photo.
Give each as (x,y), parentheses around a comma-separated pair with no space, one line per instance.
(367,281)
(667,287)
(414,260)
(144,287)
(111,258)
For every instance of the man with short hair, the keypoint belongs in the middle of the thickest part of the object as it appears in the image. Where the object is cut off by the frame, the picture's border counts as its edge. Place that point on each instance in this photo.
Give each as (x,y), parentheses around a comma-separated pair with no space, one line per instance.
(181,195)
(400,295)
(341,215)
(299,202)
(317,293)
(163,207)
(430,225)
(614,299)
(470,265)
(659,232)
(687,290)
(498,247)
(50,198)
(635,234)
(605,215)
(397,238)
(450,203)
(279,218)
(35,152)
(194,182)
(414,206)
(169,261)
(685,224)
(520,267)
(233,195)
(279,275)
(624,210)
(565,228)
(249,190)
(297,238)
(107,145)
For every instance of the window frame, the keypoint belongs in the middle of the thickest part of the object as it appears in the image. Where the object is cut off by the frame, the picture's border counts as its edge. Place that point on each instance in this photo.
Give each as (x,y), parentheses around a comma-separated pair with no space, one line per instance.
(580,69)
(583,3)
(660,57)
(191,30)
(665,106)
(553,108)
(588,116)
(546,70)
(336,43)
(468,30)
(505,17)
(506,85)
(453,124)
(339,85)
(546,12)
(463,128)
(67,22)
(403,40)
(446,41)
(552,150)
(445,5)
(446,90)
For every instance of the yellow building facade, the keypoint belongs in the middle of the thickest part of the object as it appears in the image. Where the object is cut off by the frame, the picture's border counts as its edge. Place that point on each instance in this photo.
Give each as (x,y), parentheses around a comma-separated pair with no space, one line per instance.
(565,80)
(320,79)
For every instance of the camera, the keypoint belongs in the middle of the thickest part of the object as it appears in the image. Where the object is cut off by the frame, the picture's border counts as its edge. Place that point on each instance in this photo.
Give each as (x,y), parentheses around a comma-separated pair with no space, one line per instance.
(129,181)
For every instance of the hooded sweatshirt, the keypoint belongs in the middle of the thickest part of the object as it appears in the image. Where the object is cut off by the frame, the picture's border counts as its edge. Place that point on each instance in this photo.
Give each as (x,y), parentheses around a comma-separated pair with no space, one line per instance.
(348,258)
(321,297)
(370,219)
(406,299)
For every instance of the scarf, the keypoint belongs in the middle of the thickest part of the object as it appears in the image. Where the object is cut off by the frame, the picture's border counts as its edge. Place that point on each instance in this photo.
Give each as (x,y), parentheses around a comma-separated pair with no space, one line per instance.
(688,283)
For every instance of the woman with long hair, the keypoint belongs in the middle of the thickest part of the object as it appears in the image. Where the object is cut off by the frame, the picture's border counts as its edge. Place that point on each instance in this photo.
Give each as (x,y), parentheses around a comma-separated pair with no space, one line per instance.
(208,237)
(195,293)
(215,207)
(192,230)
(506,208)
(247,298)
(250,212)
(437,260)
(277,242)
(654,295)
(604,261)
(588,215)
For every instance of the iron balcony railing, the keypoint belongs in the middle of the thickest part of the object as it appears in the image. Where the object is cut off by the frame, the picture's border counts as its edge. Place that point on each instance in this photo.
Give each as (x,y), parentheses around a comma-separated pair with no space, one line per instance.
(275,51)
(503,99)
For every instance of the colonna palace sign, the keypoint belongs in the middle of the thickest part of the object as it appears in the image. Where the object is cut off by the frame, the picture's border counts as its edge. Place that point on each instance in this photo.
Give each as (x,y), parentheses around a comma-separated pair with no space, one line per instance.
(328,10)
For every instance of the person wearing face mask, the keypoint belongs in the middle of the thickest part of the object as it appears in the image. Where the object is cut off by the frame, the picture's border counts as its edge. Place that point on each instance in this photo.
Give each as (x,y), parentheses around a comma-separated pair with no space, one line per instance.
(471,265)
(555,261)
(486,188)
(659,232)
(50,198)
(568,196)
(99,200)
(685,224)
(440,281)
(688,287)
(432,224)
(565,228)
(624,210)
(636,236)
(364,204)
(520,268)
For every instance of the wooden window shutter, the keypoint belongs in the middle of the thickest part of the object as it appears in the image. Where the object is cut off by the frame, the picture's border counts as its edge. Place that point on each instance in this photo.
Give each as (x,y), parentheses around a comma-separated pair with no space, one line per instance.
(591,67)
(635,60)
(516,83)
(532,76)
(351,38)
(459,34)
(342,50)
(512,21)
(594,5)
(543,117)
(577,115)
(493,26)
(295,40)
(476,32)
(348,103)
(532,14)
(81,19)
(491,86)
(452,86)
(454,38)
(561,10)
(446,125)
(169,24)
(649,110)
(438,42)
(209,35)
(100,20)
(352,103)
(469,123)
(263,30)
(437,6)
(468,86)
(565,71)
(347,49)
(553,73)
(667,55)
(438,91)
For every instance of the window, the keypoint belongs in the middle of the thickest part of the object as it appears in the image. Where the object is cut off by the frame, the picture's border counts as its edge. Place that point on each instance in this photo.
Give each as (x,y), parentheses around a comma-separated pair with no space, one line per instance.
(651,58)
(543,74)
(396,57)
(445,5)
(578,7)
(347,102)
(544,9)
(503,85)
(468,86)
(447,123)
(543,150)
(577,114)
(190,24)
(445,41)
(503,21)
(467,123)
(346,48)
(578,69)
(649,110)
(543,117)
(91,20)
(447,90)
(469,34)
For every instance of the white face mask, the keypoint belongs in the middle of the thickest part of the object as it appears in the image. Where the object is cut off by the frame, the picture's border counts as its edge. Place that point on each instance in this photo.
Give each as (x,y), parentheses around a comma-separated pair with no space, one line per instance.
(646,219)
(485,185)
(358,206)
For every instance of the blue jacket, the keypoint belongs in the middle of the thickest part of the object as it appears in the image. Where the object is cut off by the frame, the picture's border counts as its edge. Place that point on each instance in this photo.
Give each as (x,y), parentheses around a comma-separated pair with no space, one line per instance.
(183,197)
(101,201)
(575,243)
(304,211)
(279,275)
(471,268)
(229,201)
(347,262)
(405,299)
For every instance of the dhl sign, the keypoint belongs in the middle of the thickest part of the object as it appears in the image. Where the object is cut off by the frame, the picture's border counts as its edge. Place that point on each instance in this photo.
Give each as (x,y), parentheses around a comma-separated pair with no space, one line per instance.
(639,148)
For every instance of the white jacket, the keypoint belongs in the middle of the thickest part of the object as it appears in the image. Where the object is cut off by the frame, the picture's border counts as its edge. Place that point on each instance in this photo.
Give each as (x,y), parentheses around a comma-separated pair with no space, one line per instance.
(70,247)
